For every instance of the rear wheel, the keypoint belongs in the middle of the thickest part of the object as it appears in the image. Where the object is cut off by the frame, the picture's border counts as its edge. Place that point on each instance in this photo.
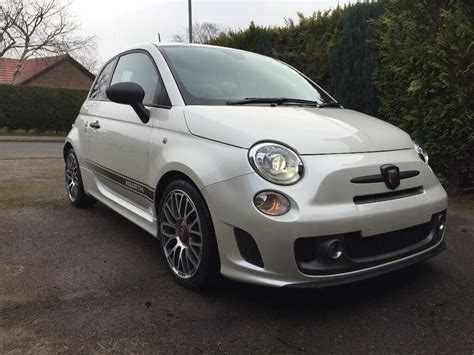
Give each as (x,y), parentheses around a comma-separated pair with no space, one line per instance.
(75,188)
(187,237)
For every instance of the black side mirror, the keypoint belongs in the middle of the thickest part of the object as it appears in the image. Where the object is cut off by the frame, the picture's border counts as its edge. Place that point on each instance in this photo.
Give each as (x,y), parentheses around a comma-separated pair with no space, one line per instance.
(129,94)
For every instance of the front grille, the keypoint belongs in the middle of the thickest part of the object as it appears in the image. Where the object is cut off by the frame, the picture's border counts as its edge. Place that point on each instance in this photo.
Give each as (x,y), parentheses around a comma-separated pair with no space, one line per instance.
(248,248)
(358,247)
(312,257)
(387,196)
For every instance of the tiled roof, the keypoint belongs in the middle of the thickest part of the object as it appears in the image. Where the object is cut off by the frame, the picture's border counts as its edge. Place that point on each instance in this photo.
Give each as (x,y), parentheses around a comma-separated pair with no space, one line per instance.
(31,68)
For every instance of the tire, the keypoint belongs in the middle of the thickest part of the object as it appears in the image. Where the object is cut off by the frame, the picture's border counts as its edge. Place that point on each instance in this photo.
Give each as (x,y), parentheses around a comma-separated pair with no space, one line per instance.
(187,238)
(74,185)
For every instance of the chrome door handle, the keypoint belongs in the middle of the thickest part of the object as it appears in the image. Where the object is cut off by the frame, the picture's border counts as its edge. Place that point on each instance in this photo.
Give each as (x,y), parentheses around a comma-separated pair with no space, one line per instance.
(94,125)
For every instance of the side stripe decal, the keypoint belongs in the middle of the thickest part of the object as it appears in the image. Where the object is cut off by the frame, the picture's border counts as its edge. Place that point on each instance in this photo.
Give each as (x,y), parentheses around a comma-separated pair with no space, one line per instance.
(125,182)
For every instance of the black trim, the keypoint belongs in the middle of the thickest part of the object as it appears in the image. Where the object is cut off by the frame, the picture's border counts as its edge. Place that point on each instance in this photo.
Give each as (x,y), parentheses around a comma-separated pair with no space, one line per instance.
(138,182)
(312,260)
(370,179)
(248,247)
(361,152)
(372,273)
(387,196)
(89,97)
(130,184)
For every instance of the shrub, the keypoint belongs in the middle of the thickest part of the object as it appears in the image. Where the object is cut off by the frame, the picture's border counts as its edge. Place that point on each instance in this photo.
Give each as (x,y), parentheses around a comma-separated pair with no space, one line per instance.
(425,78)
(354,58)
(38,108)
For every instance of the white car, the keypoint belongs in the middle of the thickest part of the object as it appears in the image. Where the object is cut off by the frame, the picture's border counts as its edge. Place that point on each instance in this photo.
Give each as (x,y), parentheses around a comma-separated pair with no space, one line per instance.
(244,167)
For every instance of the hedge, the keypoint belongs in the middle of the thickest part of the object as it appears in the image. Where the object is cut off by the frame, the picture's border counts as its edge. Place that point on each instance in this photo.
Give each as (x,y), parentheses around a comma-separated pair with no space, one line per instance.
(39,108)
(425,79)
(353,60)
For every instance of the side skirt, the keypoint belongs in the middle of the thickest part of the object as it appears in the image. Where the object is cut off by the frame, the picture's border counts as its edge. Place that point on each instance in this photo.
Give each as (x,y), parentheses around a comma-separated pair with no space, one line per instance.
(135,214)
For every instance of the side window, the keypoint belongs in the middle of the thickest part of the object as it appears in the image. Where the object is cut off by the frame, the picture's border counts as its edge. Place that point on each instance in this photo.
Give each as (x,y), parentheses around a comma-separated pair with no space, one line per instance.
(138,68)
(102,82)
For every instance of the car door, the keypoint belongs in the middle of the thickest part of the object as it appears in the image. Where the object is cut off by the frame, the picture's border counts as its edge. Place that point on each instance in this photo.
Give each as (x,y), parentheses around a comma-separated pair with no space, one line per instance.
(119,140)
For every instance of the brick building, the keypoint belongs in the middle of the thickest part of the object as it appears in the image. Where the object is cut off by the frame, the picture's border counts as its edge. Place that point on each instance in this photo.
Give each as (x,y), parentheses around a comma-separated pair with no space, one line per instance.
(59,72)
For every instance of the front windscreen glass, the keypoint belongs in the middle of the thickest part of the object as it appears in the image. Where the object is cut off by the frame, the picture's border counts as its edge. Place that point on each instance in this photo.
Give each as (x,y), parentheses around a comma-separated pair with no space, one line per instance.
(216,76)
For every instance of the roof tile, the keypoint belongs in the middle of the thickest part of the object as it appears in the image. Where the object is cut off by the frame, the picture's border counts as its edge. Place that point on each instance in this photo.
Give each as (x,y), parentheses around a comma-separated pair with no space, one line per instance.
(30,68)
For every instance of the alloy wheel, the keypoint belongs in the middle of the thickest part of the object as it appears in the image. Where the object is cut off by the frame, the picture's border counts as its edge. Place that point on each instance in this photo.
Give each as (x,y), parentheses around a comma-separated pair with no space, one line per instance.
(181,234)
(72,177)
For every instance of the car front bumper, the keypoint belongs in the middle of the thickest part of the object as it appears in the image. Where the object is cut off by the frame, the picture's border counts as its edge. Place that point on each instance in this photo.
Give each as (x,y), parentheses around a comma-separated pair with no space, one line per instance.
(376,271)
(323,205)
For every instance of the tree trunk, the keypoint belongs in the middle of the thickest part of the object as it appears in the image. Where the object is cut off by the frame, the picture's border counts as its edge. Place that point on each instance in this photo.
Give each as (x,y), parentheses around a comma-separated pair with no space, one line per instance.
(17,72)
(21,62)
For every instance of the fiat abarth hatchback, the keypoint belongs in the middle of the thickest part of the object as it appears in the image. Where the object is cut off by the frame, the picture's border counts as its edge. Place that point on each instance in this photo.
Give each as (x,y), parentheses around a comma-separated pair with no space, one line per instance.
(242,166)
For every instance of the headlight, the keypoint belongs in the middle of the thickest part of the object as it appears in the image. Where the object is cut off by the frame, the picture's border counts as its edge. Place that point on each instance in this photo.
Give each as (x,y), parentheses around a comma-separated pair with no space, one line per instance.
(276,163)
(421,153)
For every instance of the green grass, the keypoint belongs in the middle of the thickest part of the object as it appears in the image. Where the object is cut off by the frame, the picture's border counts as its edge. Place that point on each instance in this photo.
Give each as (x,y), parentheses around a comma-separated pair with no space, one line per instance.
(36,192)
(33,133)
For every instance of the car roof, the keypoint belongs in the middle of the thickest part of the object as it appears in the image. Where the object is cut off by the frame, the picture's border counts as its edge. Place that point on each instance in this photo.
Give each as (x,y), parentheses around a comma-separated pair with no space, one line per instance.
(159,45)
(167,44)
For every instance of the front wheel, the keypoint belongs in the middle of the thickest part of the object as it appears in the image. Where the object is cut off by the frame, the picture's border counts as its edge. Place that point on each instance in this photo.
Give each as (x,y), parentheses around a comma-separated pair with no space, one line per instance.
(75,188)
(187,236)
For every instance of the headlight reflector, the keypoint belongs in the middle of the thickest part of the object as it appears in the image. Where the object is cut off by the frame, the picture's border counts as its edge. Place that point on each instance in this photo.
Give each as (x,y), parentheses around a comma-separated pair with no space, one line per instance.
(272,203)
(276,163)
(421,153)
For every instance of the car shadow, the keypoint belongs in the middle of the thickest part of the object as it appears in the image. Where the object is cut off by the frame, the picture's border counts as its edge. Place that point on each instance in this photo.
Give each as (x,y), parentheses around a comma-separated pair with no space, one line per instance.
(317,299)
(289,300)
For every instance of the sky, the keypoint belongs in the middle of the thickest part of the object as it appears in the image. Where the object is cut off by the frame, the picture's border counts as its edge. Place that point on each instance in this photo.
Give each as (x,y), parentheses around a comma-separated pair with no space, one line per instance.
(119,24)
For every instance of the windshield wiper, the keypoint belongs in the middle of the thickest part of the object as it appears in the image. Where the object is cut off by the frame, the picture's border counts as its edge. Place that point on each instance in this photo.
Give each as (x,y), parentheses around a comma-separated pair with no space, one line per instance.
(329,104)
(272,100)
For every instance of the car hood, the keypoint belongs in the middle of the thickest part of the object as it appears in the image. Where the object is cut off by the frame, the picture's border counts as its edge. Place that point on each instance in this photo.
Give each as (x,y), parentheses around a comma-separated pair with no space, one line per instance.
(309,130)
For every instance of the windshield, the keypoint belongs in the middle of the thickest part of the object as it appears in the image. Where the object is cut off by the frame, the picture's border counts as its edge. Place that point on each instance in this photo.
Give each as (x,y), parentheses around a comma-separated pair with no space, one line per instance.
(216,76)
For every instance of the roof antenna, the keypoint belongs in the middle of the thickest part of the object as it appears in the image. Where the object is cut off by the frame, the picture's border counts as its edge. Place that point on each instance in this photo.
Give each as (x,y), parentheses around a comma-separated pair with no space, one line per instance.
(159,37)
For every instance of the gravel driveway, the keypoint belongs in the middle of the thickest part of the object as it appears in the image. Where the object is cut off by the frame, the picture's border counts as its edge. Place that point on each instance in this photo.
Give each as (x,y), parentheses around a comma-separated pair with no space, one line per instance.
(90,281)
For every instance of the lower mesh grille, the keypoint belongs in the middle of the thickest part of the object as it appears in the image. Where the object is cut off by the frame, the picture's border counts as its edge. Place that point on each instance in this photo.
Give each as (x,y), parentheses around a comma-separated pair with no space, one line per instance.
(305,249)
(356,247)
(363,247)
(248,248)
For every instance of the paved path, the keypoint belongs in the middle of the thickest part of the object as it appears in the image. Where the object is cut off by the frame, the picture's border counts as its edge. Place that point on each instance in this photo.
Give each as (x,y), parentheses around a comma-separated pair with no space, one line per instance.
(31,139)
(25,150)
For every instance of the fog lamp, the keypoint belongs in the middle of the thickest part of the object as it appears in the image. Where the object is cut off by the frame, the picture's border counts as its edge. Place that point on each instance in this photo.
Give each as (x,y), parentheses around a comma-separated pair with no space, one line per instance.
(272,203)
(335,249)
(441,221)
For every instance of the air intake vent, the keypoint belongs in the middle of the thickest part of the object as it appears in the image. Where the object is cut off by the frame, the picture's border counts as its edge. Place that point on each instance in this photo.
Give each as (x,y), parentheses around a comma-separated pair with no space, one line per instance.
(248,248)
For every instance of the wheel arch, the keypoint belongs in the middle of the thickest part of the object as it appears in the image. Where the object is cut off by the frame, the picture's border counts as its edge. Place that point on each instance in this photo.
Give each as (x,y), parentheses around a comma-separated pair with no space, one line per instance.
(67,147)
(167,178)
(212,270)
